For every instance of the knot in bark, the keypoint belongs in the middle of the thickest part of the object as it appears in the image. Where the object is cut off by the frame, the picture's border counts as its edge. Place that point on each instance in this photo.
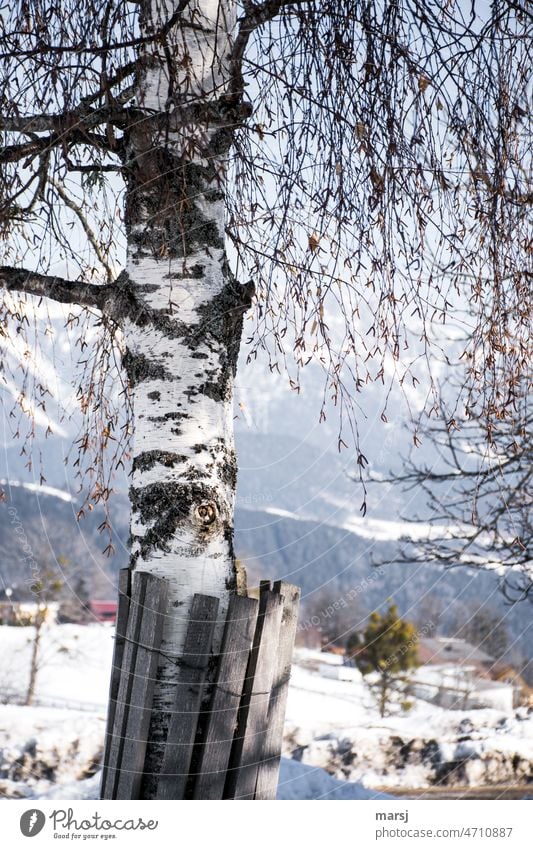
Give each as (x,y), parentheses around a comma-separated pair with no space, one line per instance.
(206,512)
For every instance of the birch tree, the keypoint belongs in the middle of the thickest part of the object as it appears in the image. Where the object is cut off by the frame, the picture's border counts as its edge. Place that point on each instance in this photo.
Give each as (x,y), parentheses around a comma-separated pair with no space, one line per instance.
(353,168)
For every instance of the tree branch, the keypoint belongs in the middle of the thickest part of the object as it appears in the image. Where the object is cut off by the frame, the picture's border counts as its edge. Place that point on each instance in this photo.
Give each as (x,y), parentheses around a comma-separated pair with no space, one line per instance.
(115,300)
(98,249)
(55,288)
(254,17)
(82,48)
(217,112)
(77,119)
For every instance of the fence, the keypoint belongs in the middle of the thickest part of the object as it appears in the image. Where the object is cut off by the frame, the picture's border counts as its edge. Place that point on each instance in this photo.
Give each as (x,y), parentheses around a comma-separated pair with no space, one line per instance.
(228,747)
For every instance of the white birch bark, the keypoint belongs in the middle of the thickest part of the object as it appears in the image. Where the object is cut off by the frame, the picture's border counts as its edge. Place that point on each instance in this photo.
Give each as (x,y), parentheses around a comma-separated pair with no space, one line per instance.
(182,342)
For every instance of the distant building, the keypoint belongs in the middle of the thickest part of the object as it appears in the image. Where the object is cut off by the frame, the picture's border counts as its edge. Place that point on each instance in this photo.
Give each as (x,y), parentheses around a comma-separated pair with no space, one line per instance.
(438,651)
(313,659)
(458,676)
(340,672)
(328,664)
(332,648)
(458,688)
(104,611)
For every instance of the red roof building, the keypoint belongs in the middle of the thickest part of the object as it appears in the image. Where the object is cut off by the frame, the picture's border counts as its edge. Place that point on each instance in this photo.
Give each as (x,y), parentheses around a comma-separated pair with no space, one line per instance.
(104,611)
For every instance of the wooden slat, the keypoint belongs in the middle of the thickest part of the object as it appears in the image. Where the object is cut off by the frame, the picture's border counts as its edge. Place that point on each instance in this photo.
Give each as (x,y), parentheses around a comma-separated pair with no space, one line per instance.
(125,684)
(142,689)
(174,774)
(268,772)
(124,590)
(218,724)
(252,717)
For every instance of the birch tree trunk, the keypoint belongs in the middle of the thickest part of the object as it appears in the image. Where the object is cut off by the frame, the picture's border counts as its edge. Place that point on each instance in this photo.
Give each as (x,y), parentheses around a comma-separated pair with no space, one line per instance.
(182,338)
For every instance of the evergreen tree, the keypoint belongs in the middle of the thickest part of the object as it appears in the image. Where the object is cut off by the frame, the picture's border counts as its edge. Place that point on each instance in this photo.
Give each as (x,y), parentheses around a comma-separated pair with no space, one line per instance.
(388,648)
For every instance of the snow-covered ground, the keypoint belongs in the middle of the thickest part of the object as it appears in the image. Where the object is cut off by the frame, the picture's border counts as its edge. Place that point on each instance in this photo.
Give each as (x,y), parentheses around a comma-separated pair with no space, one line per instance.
(56,753)
(42,747)
(75,663)
(54,748)
(335,725)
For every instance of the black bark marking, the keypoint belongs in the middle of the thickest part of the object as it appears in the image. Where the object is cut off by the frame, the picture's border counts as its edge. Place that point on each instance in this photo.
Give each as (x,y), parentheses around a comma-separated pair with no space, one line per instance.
(220,319)
(194,272)
(165,507)
(219,329)
(148,459)
(174,415)
(140,368)
(227,469)
(163,216)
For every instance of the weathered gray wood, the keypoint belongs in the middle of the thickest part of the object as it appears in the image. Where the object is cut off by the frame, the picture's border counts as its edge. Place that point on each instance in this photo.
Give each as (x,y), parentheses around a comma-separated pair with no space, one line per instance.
(250,691)
(126,683)
(253,713)
(218,723)
(124,591)
(242,715)
(174,773)
(142,688)
(268,771)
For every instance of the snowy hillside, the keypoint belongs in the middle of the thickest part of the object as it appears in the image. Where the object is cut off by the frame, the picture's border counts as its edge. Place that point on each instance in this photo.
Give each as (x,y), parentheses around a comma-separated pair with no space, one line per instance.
(317,544)
(265,403)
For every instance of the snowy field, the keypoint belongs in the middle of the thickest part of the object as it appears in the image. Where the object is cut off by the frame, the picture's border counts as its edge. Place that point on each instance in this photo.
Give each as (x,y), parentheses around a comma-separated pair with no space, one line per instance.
(335,725)
(336,745)
(74,667)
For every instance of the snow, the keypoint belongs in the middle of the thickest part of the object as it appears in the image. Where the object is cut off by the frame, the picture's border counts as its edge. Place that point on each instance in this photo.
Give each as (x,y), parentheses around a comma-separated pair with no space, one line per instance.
(328,718)
(40,489)
(296,781)
(53,749)
(384,530)
(299,781)
(41,748)
(74,667)
(48,750)
(70,743)
(322,705)
(87,788)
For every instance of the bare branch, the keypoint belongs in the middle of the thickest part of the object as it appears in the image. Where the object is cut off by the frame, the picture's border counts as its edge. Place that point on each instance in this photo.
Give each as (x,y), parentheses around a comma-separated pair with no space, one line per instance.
(82,118)
(78,210)
(82,48)
(218,112)
(55,288)
(254,17)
